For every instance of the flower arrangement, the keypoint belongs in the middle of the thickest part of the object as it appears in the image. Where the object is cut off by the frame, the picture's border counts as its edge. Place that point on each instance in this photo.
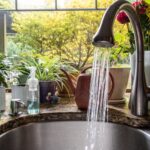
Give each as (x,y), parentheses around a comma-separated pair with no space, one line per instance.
(142,8)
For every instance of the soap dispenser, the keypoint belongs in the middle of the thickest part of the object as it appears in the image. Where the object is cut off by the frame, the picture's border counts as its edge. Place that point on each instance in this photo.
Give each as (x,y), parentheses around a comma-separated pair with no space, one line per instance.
(33,93)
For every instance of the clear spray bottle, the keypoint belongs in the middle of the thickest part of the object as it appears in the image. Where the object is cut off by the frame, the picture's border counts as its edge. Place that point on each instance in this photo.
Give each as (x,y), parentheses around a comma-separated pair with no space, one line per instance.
(33,93)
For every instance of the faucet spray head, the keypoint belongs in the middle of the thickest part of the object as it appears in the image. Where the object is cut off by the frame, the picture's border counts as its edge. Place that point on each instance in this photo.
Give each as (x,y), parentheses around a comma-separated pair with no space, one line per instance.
(103,42)
(104,36)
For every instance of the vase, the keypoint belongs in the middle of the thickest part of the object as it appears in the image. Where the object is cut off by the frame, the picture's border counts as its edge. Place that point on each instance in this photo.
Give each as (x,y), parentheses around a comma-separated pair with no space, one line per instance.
(146,66)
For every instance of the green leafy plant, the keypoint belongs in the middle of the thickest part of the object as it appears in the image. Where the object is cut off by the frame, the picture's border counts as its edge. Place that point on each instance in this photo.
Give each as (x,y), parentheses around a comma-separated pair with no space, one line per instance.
(47,69)
(3,71)
(119,53)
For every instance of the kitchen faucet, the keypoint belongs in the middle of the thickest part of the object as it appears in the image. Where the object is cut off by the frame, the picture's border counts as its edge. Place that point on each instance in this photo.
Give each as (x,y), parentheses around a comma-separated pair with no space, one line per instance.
(104,38)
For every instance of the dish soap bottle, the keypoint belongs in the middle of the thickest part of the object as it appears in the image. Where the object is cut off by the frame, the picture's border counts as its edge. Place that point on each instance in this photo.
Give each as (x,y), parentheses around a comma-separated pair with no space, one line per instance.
(33,93)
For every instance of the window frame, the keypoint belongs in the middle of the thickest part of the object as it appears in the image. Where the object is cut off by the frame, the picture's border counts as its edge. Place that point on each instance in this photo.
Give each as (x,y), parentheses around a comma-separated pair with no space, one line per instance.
(56,8)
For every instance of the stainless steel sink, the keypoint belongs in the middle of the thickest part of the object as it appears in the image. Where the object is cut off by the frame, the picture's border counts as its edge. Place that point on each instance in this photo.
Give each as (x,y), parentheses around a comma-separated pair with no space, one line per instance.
(73,136)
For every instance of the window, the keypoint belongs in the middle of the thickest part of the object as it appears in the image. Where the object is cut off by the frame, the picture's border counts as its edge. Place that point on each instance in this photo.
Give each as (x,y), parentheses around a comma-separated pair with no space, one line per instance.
(36,4)
(7,4)
(48,5)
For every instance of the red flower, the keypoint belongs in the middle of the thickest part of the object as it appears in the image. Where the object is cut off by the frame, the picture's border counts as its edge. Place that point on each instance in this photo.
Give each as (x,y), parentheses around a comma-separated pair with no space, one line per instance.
(137,3)
(122,17)
(140,7)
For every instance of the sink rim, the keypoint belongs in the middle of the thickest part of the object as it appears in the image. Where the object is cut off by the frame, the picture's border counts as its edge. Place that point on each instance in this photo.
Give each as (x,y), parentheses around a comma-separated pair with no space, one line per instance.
(64,127)
(142,131)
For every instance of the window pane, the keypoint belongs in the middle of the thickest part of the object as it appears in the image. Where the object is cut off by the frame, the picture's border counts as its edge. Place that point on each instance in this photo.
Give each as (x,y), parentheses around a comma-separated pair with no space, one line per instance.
(62,4)
(104,3)
(7,4)
(36,4)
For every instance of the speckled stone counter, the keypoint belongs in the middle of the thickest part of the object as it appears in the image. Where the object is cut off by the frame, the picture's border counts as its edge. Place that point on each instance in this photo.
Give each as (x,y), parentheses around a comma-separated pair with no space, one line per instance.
(69,111)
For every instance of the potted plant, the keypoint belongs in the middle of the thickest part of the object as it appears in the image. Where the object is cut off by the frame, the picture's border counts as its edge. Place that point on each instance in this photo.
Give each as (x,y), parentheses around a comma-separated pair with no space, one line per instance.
(3,70)
(72,73)
(17,78)
(3,83)
(47,72)
(143,10)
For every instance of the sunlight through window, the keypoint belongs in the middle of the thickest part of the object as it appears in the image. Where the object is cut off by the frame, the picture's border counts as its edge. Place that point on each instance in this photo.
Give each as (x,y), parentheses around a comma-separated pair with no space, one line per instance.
(36,4)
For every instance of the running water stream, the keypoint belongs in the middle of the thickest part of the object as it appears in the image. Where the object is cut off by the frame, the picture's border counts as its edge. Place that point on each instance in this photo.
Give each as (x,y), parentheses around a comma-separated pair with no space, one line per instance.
(97,110)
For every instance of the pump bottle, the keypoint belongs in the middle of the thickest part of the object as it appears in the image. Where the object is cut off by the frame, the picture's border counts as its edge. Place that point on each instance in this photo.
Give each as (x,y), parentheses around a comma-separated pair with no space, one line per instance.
(33,93)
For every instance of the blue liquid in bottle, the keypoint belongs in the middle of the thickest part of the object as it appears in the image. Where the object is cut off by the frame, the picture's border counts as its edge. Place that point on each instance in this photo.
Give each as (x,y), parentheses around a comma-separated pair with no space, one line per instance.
(33,107)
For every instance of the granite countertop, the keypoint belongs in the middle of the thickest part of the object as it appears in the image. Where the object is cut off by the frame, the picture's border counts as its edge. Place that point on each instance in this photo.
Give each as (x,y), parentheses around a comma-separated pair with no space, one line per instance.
(67,110)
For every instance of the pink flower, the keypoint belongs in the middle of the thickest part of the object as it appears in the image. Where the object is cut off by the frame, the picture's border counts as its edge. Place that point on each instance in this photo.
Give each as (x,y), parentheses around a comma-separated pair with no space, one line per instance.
(122,17)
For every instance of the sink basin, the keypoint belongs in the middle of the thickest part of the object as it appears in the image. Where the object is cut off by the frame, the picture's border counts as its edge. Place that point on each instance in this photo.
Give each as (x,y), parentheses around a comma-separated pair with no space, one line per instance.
(73,136)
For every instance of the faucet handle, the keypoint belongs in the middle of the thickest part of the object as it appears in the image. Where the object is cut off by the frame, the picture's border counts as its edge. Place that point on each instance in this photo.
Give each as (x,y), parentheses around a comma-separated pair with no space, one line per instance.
(15,106)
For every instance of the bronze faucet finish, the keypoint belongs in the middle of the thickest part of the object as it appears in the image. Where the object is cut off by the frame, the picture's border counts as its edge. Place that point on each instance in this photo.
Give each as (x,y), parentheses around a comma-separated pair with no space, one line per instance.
(104,38)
